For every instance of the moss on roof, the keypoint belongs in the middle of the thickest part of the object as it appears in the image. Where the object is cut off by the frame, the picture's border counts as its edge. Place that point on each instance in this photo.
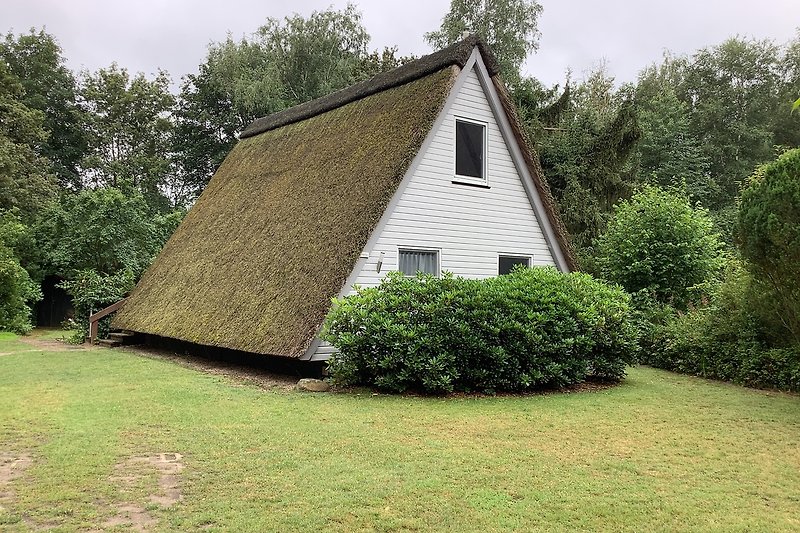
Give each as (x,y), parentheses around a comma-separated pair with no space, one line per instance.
(281,225)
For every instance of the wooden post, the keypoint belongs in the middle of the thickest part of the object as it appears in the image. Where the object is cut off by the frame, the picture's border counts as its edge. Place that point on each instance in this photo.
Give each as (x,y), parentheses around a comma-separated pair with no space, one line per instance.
(93,329)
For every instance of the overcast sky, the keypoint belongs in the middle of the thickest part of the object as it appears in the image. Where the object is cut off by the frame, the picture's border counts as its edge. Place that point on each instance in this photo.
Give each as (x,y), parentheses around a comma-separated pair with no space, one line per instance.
(144,35)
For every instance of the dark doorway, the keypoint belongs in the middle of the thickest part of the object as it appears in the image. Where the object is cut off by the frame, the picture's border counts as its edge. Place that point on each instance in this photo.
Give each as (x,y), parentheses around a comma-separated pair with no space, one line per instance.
(56,305)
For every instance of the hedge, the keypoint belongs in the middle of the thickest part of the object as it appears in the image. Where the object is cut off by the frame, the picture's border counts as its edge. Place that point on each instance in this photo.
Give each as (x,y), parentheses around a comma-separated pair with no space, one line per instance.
(731,337)
(534,328)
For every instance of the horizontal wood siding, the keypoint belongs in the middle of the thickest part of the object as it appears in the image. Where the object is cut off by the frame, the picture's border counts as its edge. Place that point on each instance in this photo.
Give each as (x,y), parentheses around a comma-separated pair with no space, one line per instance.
(470,226)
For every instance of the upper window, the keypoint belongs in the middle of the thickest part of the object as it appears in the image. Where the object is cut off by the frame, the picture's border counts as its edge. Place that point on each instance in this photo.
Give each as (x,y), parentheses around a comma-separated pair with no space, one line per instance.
(470,149)
(413,261)
(506,263)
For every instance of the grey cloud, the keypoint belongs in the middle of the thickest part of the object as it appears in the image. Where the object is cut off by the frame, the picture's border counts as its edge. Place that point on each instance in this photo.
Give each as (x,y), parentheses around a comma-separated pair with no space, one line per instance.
(151,34)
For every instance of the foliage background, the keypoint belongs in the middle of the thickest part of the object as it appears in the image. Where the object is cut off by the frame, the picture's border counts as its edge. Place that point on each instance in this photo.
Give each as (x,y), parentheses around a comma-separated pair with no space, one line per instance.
(98,168)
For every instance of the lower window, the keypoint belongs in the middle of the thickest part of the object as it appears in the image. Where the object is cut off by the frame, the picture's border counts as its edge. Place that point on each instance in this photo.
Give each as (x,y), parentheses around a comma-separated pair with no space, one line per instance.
(413,261)
(506,263)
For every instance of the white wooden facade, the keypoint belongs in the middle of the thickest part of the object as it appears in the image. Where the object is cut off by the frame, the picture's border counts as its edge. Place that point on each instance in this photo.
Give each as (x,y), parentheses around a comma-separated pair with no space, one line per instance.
(469,225)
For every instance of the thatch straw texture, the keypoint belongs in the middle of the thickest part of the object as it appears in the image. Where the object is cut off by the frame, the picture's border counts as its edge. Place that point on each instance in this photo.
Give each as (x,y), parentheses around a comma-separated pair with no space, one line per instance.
(281,224)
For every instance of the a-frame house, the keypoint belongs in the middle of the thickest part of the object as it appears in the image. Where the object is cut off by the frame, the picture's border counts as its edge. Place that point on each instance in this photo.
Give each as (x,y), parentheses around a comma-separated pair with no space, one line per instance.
(423,168)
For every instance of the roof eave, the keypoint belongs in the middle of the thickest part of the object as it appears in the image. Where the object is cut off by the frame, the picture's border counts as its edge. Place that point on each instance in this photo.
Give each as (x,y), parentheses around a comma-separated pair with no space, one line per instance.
(527,162)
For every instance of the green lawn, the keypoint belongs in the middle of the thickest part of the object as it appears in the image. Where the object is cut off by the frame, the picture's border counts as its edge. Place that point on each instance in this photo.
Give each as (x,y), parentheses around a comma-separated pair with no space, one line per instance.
(661,452)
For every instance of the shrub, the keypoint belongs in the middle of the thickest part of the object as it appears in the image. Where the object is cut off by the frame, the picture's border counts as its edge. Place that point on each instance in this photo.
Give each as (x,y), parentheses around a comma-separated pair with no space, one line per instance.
(728,339)
(656,242)
(650,317)
(91,292)
(769,235)
(17,293)
(104,230)
(533,328)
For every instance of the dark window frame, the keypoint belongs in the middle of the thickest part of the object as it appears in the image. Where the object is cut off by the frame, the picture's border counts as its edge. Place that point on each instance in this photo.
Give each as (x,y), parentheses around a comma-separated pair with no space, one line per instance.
(466,178)
(528,261)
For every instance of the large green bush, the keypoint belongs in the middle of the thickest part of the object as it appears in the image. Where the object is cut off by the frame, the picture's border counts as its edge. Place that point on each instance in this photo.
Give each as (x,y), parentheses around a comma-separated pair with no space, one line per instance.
(689,345)
(17,291)
(99,241)
(729,337)
(748,328)
(17,294)
(91,292)
(105,230)
(533,328)
(656,242)
(769,236)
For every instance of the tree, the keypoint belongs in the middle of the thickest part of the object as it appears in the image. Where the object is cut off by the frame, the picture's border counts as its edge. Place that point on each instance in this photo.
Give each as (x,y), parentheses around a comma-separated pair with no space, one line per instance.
(540,109)
(657,243)
(769,235)
(787,125)
(104,230)
(26,179)
(129,126)
(17,291)
(379,61)
(510,28)
(735,96)
(90,292)
(17,294)
(668,154)
(235,85)
(36,59)
(585,140)
(315,56)
(732,92)
(283,64)
(99,241)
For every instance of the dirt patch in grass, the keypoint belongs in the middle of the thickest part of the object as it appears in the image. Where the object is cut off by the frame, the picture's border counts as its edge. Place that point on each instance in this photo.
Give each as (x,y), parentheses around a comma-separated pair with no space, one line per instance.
(133,516)
(236,372)
(169,466)
(54,345)
(12,466)
(135,471)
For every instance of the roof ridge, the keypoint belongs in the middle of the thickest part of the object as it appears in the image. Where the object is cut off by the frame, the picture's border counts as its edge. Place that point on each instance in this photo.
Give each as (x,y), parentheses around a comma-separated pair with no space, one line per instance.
(455,54)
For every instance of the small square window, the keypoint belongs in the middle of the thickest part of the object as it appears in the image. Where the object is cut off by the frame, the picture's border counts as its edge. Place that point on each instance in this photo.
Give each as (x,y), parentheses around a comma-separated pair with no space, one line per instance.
(506,263)
(470,148)
(413,261)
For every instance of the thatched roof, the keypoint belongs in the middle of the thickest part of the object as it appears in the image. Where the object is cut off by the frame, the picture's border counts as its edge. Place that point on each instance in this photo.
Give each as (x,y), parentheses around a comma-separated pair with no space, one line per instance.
(280,226)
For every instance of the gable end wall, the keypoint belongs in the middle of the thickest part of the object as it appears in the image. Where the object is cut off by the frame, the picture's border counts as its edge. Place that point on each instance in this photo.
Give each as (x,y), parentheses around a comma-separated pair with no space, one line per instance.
(470,226)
